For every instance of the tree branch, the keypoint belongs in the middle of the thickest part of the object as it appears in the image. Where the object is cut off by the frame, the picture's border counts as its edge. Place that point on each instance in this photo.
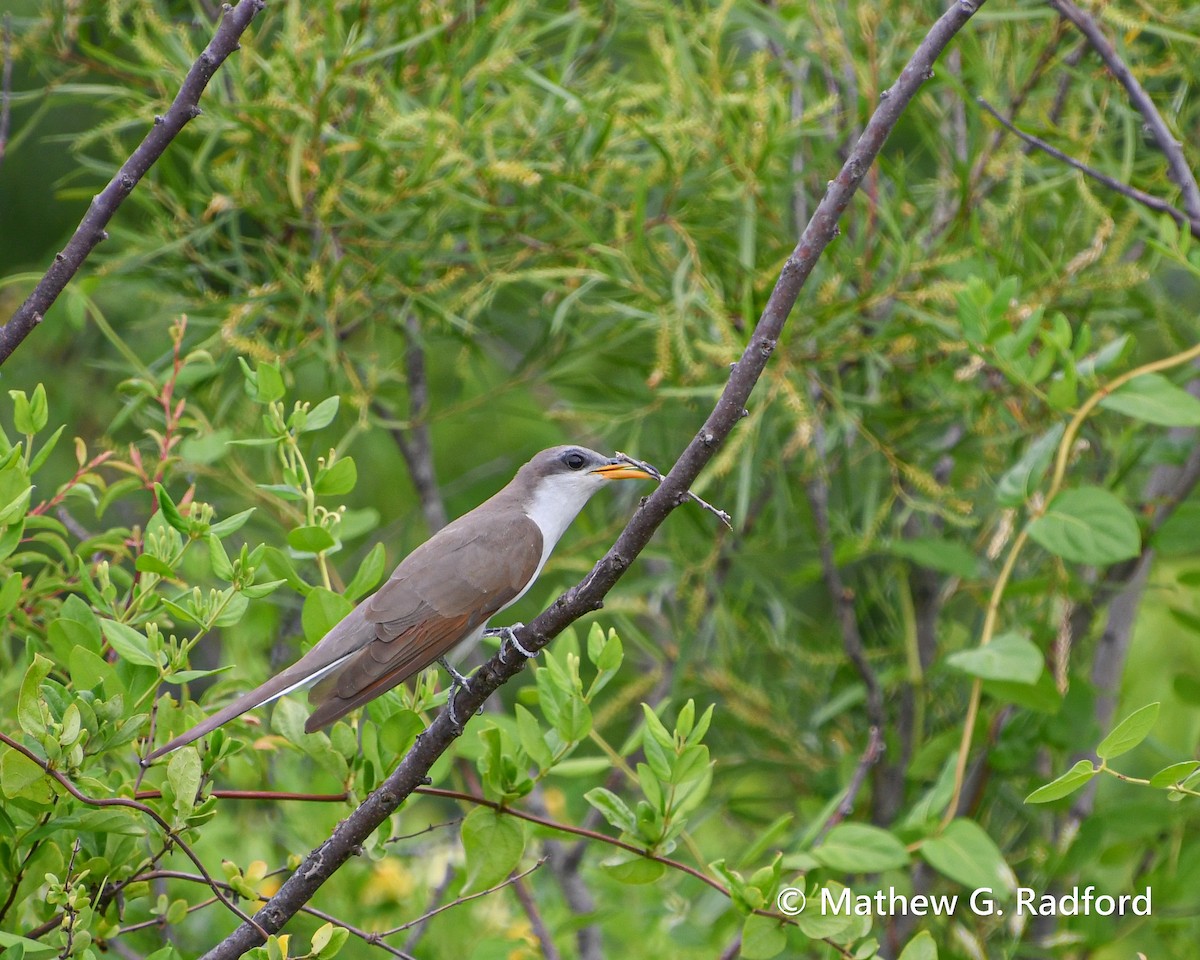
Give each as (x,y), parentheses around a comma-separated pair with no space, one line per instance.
(588,596)
(91,230)
(414,441)
(1133,193)
(1172,149)
(65,782)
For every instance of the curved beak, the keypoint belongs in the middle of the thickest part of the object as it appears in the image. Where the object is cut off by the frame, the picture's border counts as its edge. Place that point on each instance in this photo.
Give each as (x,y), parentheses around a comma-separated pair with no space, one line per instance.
(620,470)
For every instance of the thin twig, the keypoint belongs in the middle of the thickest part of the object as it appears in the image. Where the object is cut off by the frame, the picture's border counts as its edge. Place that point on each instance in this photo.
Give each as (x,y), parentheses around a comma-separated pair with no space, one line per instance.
(458,901)
(654,472)
(165,128)
(587,596)
(439,894)
(1133,193)
(369,937)
(272,795)
(428,829)
(575,831)
(413,440)
(82,797)
(529,905)
(1172,149)
(840,595)
(868,759)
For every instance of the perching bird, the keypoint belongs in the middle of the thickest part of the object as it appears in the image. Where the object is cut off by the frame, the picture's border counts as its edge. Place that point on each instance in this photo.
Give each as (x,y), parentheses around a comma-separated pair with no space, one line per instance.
(441,594)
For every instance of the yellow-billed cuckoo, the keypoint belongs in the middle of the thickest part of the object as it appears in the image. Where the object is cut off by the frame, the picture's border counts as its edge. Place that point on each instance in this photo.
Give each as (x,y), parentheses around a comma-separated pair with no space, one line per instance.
(442,594)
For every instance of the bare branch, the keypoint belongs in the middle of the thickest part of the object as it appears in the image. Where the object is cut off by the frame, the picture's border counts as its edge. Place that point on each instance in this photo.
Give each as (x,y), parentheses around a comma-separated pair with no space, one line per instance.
(840,595)
(540,930)
(1133,193)
(654,472)
(91,230)
(868,759)
(1172,149)
(588,596)
(458,901)
(413,440)
(82,797)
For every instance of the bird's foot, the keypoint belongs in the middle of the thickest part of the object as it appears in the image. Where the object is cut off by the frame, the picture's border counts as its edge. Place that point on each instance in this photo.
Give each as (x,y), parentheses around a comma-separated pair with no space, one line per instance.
(458,679)
(457,682)
(509,636)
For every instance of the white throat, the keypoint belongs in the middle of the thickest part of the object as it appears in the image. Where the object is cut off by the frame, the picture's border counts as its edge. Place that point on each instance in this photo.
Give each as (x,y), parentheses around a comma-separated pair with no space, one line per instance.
(556,501)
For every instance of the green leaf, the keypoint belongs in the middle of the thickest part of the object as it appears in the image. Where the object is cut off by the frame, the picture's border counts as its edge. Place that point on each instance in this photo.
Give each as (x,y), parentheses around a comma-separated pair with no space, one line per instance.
(633,869)
(145,563)
(47,448)
(1065,785)
(311,539)
(658,744)
(265,384)
(38,411)
(1175,773)
(338,479)
(1155,399)
(129,643)
(762,938)
(224,528)
(920,947)
(860,848)
(1023,477)
(1088,525)
(10,593)
(16,506)
(89,670)
(323,610)
(493,844)
(219,559)
(1129,732)
(27,949)
(183,773)
(328,941)
(1009,656)
(170,512)
(321,415)
(965,853)
(29,413)
(613,809)
(946,556)
(370,572)
(32,712)
(21,777)
(278,565)
(533,741)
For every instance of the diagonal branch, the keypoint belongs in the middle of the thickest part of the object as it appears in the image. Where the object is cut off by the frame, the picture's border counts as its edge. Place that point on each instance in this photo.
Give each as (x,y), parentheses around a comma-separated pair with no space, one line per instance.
(150,812)
(1172,149)
(1133,193)
(91,230)
(587,596)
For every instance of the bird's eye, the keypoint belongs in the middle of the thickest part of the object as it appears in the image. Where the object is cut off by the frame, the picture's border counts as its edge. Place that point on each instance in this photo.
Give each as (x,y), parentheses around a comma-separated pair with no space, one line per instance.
(574,460)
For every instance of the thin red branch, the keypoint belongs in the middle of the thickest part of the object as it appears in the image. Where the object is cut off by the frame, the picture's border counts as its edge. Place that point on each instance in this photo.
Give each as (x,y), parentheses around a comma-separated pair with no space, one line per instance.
(150,812)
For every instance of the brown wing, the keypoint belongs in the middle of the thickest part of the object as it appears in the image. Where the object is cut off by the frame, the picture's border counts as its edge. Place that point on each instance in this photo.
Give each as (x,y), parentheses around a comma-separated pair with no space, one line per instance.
(442,593)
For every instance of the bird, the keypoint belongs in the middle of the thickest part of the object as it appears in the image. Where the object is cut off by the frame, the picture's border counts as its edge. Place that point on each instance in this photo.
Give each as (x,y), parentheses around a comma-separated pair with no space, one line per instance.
(439,596)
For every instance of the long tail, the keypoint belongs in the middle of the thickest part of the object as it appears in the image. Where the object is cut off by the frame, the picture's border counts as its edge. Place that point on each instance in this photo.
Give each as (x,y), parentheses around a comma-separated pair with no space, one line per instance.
(299,674)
